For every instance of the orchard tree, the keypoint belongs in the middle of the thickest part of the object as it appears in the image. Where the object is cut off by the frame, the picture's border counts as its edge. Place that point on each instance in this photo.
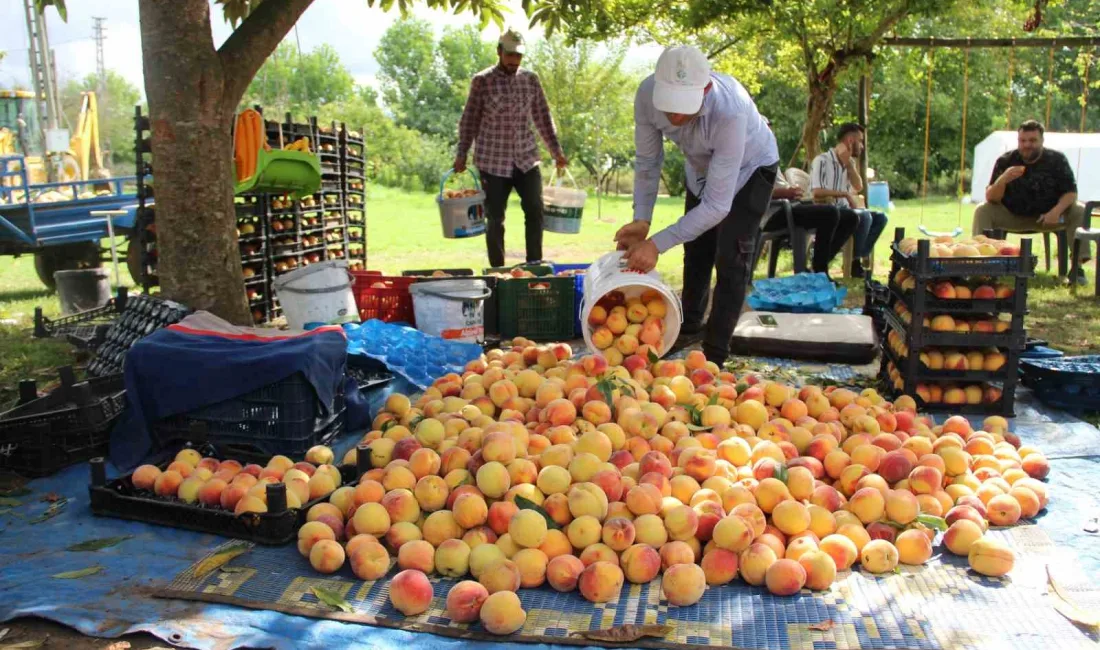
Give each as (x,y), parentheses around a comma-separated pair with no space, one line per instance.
(300,82)
(193,89)
(116,115)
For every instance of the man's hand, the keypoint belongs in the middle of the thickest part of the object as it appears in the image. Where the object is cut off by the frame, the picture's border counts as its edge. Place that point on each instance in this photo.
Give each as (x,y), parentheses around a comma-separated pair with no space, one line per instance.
(642,256)
(1012,173)
(1050,218)
(854,200)
(788,193)
(460,164)
(631,234)
(843,154)
(562,161)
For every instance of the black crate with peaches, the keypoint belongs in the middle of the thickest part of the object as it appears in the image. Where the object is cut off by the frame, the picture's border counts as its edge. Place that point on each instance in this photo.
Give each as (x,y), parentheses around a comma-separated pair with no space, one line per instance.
(954,321)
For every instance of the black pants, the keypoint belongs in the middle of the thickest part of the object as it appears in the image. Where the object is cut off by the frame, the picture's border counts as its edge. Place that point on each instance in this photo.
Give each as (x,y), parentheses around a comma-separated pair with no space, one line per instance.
(728,249)
(497,190)
(832,227)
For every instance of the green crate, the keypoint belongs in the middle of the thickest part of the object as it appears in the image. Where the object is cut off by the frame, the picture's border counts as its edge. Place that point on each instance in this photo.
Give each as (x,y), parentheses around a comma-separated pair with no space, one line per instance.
(537,269)
(539,308)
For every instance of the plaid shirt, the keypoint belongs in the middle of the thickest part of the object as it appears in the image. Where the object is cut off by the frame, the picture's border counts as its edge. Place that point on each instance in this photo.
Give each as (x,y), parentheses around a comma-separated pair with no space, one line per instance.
(498,114)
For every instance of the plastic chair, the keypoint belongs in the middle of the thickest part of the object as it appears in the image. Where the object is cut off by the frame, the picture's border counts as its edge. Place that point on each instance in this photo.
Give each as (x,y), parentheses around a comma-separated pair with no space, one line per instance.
(797,238)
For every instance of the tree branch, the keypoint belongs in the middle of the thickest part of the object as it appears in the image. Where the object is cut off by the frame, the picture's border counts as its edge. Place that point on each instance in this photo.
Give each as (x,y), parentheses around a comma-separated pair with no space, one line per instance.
(249,45)
(725,46)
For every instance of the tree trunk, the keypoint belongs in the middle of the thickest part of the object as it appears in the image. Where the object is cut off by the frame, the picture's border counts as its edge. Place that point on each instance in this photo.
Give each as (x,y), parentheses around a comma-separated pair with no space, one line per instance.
(817,111)
(193,92)
(199,261)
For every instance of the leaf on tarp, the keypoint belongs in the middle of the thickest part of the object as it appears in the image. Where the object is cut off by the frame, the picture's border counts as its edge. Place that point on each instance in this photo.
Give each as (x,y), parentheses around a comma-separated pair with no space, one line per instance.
(79,573)
(332,599)
(97,544)
(219,559)
(10,502)
(653,358)
(51,512)
(1065,607)
(524,503)
(933,522)
(24,645)
(823,626)
(625,633)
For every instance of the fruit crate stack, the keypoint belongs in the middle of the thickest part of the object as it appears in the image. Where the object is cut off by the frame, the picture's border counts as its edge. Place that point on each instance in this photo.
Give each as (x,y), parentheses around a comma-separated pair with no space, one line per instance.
(353,171)
(141,254)
(253,231)
(954,322)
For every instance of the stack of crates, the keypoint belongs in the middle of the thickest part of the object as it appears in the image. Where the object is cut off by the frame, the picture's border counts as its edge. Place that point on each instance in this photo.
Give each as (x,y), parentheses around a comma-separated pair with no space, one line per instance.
(278,234)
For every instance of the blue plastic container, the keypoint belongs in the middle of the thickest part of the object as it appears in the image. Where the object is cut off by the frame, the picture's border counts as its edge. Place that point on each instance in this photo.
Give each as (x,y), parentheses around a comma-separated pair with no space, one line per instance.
(578,284)
(878,195)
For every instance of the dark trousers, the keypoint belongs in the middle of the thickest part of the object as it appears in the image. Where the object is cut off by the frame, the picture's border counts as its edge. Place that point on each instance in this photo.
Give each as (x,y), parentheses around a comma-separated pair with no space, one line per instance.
(832,227)
(497,190)
(728,249)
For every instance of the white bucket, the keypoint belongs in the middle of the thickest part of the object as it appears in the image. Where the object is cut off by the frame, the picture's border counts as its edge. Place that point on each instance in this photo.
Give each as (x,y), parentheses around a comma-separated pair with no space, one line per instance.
(608,274)
(462,217)
(451,309)
(318,293)
(562,206)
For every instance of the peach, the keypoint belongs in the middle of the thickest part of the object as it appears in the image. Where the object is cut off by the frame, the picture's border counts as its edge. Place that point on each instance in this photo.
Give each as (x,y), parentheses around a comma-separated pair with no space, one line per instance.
(527,528)
(372,519)
(753,515)
(878,556)
(531,563)
(1029,502)
(683,584)
(855,532)
(145,477)
(600,582)
(431,493)
(440,526)
(167,483)
(484,556)
(618,533)
(867,504)
(470,510)
(960,535)
(785,577)
(719,566)
(369,560)
(502,575)
(914,547)
(417,554)
(599,553)
(320,484)
(755,561)
(563,572)
(902,506)
(800,545)
(640,563)
(820,569)
(673,553)
(925,480)
(841,549)
(990,557)
(650,530)
(326,556)
(502,613)
(411,592)
(733,533)
(232,494)
(465,600)
(791,517)
(1036,465)
(500,516)
(1003,510)
(493,479)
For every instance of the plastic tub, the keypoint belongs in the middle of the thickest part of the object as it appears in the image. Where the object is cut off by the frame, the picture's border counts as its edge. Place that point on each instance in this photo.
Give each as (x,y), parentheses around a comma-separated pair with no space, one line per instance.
(319,292)
(562,206)
(451,309)
(462,217)
(608,274)
(82,289)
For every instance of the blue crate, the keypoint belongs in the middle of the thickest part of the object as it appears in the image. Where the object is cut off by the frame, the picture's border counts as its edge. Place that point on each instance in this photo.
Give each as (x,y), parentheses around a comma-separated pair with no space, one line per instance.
(802,293)
(1070,383)
(578,284)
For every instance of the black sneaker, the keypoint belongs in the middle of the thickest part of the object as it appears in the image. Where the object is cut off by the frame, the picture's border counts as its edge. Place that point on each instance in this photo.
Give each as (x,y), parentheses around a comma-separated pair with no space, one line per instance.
(1080,279)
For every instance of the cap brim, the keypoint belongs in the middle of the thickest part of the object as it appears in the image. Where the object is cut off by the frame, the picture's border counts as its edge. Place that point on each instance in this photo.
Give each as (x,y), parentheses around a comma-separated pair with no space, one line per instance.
(671,98)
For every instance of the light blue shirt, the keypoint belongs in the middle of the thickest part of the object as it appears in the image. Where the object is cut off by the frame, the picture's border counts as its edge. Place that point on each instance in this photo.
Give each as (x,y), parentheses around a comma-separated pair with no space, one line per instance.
(722,146)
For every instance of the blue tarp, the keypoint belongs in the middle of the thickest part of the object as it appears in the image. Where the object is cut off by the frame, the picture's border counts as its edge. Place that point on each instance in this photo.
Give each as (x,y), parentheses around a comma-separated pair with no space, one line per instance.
(117,600)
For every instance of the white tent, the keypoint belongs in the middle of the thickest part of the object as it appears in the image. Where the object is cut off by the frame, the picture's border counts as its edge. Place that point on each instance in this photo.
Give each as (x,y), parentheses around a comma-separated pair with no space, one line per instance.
(1082,150)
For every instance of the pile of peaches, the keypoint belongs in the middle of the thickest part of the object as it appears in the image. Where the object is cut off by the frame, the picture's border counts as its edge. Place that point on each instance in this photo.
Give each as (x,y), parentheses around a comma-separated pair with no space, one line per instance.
(533,468)
(956,323)
(623,327)
(946,246)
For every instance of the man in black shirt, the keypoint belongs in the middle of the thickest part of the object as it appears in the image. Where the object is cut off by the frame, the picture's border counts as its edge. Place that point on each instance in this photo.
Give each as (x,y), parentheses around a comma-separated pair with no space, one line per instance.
(1033,189)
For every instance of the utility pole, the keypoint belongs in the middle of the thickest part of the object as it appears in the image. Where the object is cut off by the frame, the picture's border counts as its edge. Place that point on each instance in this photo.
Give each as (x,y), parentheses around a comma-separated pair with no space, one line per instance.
(99,33)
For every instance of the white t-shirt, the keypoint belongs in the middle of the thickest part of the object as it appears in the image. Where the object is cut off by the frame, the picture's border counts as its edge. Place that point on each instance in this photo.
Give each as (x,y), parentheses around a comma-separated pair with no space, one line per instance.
(828,173)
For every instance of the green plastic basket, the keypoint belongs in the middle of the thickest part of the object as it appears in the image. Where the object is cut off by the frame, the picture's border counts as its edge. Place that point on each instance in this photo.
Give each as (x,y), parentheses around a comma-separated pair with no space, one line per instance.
(539,308)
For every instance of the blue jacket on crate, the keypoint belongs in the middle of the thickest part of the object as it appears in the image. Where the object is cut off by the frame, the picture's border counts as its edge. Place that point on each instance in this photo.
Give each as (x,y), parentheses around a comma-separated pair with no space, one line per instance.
(203,361)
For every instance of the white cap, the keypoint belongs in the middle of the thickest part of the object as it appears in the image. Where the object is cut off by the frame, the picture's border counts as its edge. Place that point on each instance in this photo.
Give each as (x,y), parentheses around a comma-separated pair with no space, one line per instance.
(682,74)
(511,42)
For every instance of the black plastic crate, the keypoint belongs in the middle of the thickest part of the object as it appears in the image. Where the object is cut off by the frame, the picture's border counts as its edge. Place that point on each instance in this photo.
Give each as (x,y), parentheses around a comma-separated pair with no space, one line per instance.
(284,417)
(1004,406)
(81,323)
(925,374)
(368,373)
(922,265)
(1070,383)
(279,525)
(962,306)
(70,425)
(922,337)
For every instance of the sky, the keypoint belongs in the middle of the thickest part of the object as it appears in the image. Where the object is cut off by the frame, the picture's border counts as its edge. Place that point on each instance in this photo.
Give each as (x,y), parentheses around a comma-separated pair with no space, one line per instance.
(349,26)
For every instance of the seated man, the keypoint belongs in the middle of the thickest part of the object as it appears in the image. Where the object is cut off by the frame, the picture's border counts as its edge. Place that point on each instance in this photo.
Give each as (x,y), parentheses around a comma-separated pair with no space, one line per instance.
(835,179)
(832,226)
(1033,189)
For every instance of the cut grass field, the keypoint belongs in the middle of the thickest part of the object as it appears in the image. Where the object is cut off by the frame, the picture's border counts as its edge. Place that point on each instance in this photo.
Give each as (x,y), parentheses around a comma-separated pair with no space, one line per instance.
(403,232)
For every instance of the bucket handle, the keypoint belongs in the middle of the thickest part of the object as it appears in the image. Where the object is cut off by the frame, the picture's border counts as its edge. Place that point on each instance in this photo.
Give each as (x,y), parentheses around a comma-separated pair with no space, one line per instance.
(290,289)
(443,181)
(447,296)
(557,176)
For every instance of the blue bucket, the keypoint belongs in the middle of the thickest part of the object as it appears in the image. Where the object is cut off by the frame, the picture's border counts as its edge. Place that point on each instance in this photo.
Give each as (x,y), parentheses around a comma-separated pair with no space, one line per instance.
(878,195)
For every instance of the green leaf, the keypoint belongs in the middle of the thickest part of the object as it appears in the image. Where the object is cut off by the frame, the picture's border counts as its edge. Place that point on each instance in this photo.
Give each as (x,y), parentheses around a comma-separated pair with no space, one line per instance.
(604,386)
(97,544)
(415,421)
(332,599)
(80,573)
(10,502)
(895,525)
(527,504)
(388,424)
(933,522)
(220,559)
(653,358)
(697,427)
(781,472)
(713,399)
(55,509)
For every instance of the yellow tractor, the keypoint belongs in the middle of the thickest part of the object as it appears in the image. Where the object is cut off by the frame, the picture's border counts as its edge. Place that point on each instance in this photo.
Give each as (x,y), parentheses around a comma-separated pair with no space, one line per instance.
(21,133)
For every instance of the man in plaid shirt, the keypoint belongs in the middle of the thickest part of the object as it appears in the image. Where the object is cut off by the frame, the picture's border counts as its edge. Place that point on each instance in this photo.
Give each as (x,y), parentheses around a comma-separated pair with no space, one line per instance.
(503,101)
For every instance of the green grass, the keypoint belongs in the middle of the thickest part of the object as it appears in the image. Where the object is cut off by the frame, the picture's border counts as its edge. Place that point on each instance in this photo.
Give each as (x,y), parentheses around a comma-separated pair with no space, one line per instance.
(403,233)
